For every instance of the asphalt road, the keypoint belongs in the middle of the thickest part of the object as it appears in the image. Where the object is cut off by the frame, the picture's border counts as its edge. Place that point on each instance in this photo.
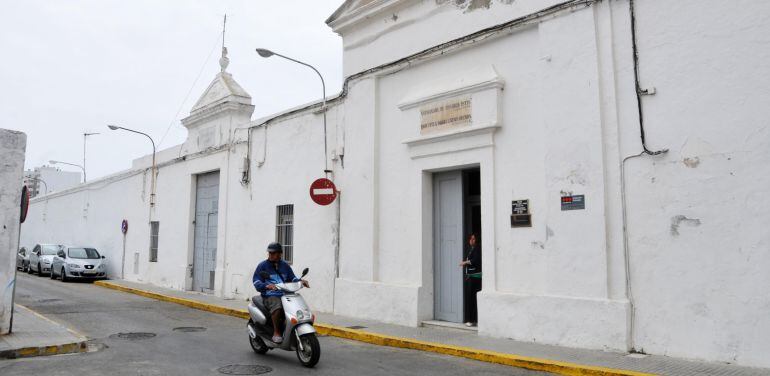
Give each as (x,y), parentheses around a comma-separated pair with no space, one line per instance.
(99,313)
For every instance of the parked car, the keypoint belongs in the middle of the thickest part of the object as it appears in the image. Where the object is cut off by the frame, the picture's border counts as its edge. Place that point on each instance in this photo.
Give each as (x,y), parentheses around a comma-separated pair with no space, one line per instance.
(22,259)
(41,258)
(78,262)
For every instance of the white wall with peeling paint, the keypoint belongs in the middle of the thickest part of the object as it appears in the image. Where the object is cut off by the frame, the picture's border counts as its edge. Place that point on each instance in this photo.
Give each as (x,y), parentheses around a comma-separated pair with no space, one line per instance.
(555,112)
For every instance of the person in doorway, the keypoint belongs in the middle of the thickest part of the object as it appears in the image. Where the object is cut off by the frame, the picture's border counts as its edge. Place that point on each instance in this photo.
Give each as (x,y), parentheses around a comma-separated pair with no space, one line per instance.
(279,272)
(472,276)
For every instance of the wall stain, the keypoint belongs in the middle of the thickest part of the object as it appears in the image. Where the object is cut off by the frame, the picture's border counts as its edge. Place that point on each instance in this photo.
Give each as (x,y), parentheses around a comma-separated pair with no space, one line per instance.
(538,245)
(471,5)
(677,220)
(691,162)
(548,233)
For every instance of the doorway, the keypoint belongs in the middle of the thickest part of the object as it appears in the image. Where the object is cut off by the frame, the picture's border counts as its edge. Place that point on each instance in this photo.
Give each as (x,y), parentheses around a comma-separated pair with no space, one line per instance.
(456,214)
(205,243)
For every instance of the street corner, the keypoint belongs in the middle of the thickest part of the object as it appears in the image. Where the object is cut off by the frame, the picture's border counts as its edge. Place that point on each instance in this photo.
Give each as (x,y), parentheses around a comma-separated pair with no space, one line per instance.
(34,334)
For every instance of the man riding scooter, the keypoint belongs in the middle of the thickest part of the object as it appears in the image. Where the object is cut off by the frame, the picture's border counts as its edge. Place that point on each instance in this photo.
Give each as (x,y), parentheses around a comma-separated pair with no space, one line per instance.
(279,272)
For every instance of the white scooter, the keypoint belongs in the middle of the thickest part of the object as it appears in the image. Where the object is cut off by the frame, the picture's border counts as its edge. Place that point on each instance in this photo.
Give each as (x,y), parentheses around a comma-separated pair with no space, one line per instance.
(299,333)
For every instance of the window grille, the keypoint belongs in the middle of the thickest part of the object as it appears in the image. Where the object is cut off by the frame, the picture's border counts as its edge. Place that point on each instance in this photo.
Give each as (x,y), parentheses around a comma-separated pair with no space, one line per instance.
(284,230)
(154,228)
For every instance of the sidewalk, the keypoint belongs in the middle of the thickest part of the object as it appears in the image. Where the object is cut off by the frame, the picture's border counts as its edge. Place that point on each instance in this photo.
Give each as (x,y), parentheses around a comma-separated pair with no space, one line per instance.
(462,343)
(36,335)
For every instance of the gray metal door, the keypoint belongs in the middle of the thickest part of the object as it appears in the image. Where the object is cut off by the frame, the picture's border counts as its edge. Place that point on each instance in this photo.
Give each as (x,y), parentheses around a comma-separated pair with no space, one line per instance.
(206,217)
(447,246)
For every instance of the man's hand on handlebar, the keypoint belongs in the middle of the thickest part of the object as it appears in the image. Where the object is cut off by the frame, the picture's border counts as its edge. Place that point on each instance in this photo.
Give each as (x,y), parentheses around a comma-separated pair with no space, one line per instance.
(305,283)
(271,287)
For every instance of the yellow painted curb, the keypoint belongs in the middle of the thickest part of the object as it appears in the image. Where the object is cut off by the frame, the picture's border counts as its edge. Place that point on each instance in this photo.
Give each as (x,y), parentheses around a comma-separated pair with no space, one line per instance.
(537,364)
(66,348)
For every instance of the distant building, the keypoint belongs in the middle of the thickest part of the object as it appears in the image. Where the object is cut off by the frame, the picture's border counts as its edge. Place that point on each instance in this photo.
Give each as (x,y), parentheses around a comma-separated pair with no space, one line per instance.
(47,179)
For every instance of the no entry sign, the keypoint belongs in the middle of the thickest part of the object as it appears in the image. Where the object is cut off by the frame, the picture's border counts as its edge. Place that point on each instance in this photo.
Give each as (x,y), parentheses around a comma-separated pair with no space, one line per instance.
(323,191)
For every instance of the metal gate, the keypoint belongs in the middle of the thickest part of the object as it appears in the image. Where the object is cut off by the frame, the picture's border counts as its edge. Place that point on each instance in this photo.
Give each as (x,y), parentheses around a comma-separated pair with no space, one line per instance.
(206,217)
(447,246)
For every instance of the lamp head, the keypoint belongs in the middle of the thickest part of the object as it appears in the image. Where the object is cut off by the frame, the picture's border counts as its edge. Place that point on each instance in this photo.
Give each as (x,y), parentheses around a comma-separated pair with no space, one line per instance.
(265,52)
(113,127)
(53,162)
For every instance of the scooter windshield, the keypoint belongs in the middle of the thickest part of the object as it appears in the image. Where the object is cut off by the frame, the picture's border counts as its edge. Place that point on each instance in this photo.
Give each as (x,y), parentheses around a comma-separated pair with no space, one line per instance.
(290,286)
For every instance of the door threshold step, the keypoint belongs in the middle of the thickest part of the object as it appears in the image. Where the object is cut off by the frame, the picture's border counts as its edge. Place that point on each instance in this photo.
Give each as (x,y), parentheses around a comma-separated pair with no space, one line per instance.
(447,324)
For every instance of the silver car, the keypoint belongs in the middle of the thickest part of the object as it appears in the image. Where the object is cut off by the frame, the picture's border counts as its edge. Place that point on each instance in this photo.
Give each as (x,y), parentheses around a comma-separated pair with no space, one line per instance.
(41,258)
(78,262)
(22,259)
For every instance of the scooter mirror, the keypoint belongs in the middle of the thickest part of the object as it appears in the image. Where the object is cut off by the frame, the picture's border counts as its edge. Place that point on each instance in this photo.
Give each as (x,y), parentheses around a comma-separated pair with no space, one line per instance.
(305,271)
(264,275)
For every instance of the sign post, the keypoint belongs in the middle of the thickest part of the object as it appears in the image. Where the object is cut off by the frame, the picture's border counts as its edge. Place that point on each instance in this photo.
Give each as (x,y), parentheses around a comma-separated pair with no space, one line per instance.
(323,191)
(124,230)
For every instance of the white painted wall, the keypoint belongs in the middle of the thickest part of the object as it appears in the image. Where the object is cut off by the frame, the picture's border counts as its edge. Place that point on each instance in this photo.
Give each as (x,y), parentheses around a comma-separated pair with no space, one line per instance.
(554,112)
(12,148)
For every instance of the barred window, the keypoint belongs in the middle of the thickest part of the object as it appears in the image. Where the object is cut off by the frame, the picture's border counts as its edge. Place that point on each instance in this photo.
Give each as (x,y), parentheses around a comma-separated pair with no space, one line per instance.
(154,228)
(284,230)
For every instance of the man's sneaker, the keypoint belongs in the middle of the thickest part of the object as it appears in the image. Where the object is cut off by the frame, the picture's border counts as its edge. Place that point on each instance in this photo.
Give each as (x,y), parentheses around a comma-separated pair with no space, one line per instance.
(277,339)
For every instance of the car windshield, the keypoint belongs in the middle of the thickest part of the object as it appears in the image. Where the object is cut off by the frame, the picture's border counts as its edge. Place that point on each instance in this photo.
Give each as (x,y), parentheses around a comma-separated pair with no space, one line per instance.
(83,253)
(49,249)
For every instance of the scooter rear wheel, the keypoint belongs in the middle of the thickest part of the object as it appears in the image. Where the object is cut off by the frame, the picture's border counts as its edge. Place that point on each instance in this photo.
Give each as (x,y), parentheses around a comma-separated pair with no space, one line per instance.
(257,344)
(312,350)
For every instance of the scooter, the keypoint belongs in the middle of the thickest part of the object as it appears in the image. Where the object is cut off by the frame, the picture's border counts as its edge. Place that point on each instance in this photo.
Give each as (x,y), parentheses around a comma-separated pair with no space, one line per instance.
(299,333)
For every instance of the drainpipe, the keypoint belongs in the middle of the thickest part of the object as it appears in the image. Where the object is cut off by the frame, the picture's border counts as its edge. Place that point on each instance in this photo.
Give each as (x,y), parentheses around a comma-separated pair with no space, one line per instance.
(645,151)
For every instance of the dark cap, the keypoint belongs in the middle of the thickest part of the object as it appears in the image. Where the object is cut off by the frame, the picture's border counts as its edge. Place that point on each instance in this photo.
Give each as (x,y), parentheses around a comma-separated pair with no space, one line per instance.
(274,247)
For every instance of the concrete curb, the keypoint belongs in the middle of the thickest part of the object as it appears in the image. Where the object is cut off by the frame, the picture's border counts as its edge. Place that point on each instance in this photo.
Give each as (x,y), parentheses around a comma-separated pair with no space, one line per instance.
(537,364)
(63,348)
(27,352)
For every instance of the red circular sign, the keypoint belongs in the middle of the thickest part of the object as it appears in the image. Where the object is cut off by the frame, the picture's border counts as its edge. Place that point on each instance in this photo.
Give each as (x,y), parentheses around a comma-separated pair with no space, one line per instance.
(323,191)
(24,203)
(124,226)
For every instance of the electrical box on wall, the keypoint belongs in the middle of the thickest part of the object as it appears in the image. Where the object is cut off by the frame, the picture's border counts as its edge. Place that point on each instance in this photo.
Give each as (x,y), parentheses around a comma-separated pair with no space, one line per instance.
(520,216)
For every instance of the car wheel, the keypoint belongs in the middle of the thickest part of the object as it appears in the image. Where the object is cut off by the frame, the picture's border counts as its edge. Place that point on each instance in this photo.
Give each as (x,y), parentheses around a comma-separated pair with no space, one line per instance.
(63,275)
(53,276)
(39,270)
(29,269)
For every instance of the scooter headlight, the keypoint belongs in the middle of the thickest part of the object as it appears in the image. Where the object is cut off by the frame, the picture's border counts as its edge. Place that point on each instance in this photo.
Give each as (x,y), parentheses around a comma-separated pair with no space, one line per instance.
(300,315)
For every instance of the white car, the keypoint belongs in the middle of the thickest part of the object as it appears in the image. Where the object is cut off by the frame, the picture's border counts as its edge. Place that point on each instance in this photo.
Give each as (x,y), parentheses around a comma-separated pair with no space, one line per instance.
(41,258)
(78,262)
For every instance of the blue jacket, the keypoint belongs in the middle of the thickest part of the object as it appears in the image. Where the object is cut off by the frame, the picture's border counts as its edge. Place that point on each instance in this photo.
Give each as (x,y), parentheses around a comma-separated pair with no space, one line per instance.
(283,274)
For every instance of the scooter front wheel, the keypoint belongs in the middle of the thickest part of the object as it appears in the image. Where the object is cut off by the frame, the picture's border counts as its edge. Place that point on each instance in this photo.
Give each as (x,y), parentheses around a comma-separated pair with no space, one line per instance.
(311,350)
(256,343)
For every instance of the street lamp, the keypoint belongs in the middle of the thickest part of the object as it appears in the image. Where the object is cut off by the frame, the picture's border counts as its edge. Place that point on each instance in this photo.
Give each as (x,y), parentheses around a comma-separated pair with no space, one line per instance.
(154,169)
(53,162)
(267,53)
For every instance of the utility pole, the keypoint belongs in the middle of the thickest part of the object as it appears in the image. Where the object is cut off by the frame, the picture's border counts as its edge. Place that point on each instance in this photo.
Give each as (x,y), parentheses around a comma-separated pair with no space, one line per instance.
(85,136)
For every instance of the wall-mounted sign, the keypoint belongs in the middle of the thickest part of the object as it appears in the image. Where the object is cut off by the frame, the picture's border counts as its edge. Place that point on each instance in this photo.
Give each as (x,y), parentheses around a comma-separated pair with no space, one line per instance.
(444,115)
(323,192)
(520,216)
(575,202)
(520,207)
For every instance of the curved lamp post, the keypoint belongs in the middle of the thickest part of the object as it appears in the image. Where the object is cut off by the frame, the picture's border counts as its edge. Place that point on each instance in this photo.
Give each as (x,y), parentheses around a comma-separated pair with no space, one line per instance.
(267,53)
(53,162)
(154,168)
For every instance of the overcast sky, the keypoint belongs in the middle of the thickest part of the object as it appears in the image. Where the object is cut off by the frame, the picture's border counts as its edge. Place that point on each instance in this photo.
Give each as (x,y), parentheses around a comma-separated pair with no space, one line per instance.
(72,66)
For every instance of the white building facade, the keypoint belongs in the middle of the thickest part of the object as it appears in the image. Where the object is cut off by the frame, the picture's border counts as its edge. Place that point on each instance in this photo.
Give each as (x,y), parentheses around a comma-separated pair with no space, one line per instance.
(453,114)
